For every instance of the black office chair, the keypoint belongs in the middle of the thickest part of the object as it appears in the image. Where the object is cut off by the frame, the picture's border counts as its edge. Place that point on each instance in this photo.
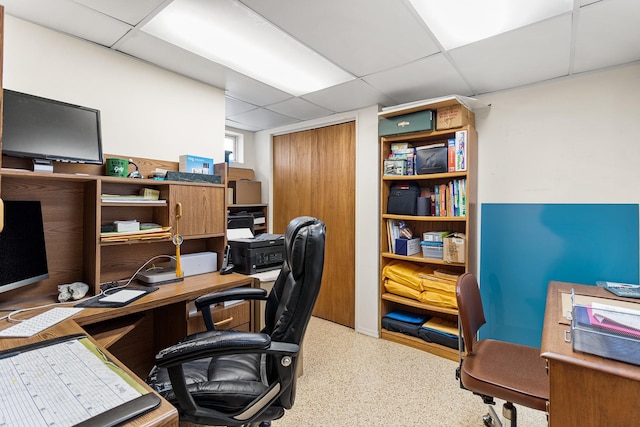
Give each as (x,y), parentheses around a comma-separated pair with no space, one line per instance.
(237,378)
(511,372)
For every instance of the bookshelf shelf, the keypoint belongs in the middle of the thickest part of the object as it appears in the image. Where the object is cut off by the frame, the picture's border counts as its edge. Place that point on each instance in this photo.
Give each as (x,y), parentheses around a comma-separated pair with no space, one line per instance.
(463,224)
(421,259)
(425,218)
(416,304)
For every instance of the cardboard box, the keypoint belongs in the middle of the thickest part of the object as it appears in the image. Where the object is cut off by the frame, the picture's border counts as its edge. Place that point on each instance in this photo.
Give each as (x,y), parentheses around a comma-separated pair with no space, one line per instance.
(407,246)
(246,192)
(454,116)
(229,196)
(406,123)
(454,248)
(194,164)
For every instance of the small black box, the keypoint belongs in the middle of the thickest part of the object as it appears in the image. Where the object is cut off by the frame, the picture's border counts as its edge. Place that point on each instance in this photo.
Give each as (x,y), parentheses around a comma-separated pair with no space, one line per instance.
(431,159)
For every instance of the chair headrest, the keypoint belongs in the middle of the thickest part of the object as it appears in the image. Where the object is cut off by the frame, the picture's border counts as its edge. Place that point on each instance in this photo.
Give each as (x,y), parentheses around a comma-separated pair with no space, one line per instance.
(298,231)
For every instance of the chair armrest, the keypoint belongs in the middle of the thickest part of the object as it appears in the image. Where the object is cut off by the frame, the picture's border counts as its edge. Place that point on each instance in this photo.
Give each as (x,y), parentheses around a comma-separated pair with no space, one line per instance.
(212,343)
(229,295)
(283,348)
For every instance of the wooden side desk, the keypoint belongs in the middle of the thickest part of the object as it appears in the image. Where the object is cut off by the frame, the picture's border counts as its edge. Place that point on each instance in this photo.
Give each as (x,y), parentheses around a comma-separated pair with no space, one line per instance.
(137,331)
(133,334)
(585,390)
(164,415)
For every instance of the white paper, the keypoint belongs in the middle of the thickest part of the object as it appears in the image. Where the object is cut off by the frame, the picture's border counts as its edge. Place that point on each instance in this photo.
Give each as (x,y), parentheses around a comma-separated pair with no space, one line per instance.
(123,295)
(239,233)
(622,316)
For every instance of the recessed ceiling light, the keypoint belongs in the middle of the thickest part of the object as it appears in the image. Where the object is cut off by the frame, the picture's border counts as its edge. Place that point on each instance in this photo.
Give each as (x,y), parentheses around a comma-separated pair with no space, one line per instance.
(459,22)
(233,35)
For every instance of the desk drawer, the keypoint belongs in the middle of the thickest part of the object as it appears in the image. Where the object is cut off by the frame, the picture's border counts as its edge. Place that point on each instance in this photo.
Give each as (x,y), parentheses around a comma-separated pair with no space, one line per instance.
(235,316)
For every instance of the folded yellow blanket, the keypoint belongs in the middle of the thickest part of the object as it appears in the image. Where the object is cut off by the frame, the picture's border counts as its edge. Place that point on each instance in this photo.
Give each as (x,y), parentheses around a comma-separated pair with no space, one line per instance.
(407,273)
(445,286)
(438,298)
(396,288)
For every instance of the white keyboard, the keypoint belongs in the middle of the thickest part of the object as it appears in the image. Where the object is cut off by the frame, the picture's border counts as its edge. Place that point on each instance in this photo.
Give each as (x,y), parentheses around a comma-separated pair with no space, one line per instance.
(39,323)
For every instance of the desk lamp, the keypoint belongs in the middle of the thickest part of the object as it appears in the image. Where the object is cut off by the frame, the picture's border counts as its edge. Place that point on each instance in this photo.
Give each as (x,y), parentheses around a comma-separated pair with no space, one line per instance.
(177,240)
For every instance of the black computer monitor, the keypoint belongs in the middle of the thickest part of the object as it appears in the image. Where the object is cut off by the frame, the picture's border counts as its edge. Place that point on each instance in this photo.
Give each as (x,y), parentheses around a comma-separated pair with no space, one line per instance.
(23,255)
(41,128)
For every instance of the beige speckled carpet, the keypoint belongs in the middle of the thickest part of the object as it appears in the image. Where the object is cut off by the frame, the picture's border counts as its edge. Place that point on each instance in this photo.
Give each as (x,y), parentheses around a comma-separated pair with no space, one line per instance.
(351,379)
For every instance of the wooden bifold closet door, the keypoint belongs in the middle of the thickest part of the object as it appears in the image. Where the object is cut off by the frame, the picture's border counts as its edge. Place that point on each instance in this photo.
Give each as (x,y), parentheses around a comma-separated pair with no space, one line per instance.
(314,174)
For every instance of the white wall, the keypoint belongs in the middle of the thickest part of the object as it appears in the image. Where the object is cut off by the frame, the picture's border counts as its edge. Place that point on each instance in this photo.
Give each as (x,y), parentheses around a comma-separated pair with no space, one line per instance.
(145,111)
(367,208)
(567,141)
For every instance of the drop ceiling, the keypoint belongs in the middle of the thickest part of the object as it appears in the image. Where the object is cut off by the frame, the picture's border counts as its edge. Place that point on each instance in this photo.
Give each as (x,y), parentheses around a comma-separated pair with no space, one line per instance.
(391,53)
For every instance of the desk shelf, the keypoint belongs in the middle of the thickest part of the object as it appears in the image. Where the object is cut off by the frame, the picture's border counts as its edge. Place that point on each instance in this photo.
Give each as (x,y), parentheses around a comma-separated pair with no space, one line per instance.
(112,331)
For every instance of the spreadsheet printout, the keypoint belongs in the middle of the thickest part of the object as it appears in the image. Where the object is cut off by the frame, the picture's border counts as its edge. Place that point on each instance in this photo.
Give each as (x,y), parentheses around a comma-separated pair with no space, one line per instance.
(60,384)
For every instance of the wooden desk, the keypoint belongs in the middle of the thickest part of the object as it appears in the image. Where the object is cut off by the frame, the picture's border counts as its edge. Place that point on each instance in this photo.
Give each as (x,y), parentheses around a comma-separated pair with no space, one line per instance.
(133,334)
(164,415)
(585,390)
(136,332)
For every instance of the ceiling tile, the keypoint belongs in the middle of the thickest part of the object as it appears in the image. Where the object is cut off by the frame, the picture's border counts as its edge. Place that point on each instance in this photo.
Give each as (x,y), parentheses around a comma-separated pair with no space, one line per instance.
(242,126)
(131,12)
(349,96)
(252,91)
(300,109)
(427,78)
(235,106)
(263,119)
(69,17)
(608,34)
(530,54)
(149,48)
(361,36)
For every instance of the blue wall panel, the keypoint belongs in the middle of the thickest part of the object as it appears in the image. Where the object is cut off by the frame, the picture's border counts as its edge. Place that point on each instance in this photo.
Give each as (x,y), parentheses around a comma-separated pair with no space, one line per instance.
(524,246)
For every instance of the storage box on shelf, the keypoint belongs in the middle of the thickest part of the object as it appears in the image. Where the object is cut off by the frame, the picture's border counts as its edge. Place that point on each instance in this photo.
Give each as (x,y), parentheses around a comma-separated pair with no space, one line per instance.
(451,209)
(244,197)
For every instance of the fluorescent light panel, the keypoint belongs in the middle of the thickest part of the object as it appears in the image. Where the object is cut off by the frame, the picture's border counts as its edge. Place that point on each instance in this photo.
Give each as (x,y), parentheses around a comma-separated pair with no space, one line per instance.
(233,35)
(457,23)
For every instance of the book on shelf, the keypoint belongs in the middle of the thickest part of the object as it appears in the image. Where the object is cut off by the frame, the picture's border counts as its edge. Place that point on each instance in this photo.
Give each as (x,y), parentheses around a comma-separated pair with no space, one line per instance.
(393,233)
(451,160)
(142,234)
(443,200)
(461,150)
(118,198)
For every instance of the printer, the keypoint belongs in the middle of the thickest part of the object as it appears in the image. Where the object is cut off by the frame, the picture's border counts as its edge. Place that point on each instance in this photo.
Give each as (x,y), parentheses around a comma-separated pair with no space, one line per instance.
(257,254)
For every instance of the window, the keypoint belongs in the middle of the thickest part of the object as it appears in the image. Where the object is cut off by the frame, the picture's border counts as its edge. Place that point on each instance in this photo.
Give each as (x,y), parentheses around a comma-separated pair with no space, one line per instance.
(233,144)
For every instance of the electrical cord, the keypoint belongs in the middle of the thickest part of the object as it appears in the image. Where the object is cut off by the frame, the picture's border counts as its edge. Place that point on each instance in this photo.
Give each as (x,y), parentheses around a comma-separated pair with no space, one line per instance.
(104,292)
(109,290)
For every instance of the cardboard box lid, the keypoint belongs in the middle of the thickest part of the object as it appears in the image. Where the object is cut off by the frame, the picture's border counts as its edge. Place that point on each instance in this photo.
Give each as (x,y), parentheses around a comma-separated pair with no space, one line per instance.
(237,174)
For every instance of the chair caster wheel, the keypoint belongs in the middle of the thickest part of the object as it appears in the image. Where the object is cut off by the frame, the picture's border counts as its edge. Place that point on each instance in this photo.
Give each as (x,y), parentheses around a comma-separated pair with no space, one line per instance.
(487,420)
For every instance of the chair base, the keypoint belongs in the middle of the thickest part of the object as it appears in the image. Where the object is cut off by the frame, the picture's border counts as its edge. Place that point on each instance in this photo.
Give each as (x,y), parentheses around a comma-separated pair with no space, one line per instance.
(508,412)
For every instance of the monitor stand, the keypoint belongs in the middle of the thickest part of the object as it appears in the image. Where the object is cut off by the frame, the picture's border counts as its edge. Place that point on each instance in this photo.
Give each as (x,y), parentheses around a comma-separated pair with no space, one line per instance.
(42,165)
